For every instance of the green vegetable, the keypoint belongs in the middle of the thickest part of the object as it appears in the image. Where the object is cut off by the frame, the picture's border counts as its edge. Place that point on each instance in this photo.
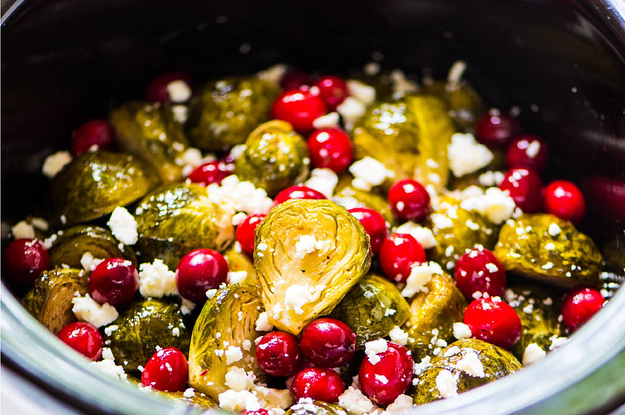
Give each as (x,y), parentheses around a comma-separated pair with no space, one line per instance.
(275,157)
(150,132)
(464,104)
(309,254)
(224,112)
(239,261)
(316,408)
(350,197)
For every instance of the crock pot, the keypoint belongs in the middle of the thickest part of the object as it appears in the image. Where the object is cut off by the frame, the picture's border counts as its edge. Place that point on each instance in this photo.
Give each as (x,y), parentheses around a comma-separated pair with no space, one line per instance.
(562,62)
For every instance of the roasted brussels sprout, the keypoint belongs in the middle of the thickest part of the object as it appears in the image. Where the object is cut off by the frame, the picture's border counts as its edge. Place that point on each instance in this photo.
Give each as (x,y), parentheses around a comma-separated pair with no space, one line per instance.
(224,112)
(548,249)
(495,363)
(308,255)
(238,261)
(94,184)
(70,245)
(227,322)
(372,308)
(275,157)
(464,104)
(143,328)
(349,197)
(178,218)
(316,408)
(50,299)
(150,132)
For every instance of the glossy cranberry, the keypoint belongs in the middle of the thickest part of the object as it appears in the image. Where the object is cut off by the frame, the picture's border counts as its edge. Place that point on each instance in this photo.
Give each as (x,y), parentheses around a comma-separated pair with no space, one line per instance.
(278,354)
(385,380)
(297,192)
(330,148)
(94,134)
(333,90)
(318,384)
(528,151)
(495,130)
(158,91)
(398,254)
(295,79)
(199,271)
(299,107)
(24,260)
(564,200)
(167,370)
(328,342)
(246,232)
(493,321)
(526,189)
(114,281)
(374,224)
(84,338)
(211,172)
(479,270)
(409,200)
(579,305)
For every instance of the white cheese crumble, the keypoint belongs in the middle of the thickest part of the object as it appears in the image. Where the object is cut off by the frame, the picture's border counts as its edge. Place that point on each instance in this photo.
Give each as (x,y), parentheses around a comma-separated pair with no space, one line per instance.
(88,262)
(181,113)
(110,368)
(239,196)
(110,329)
(323,180)
(262,324)
(371,68)
(40,224)
(355,402)
(179,91)
(368,172)
(211,293)
(273,74)
(123,226)
(557,342)
(234,401)
(452,351)
(187,306)
(238,380)
(492,267)
(401,403)
(532,354)
(398,336)
(238,218)
(471,364)
(54,163)
(554,229)
(107,353)
(297,296)
(189,393)
(466,155)
(402,85)
(490,178)
(23,230)
(236,277)
(361,91)
(419,276)
(461,331)
(495,204)
(330,120)
(233,354)
(307,244)
(156,280)
(422,234)
(373,348)
(351,110)
(454,76)
(87,309)
(446,384)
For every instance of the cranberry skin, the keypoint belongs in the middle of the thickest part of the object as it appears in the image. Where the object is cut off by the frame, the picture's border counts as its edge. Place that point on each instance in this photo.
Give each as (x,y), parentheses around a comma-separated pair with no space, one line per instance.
(525,188)
(299,107)
(246,232)
(333,90)
(564,200)
(278,354)
(328,342)
(294,80)
(167,370)
(399,252)
(297,192)
(114,281)
(493,321)
(396,365)
(579,305)
(156,90)
(24,260)
(480,270)
(495,130)
(374,224)
(330,148)
(199,271)
(409,200)
(84,338)
(211,172)
(521,153)
(93,133)
(319,384)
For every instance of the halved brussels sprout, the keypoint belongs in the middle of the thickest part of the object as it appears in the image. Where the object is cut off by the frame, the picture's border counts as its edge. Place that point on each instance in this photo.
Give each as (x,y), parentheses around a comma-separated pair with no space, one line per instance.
(316,408)
(144,328)
(465,105)
(150,132)
(496,363)
(275,157)
(94,184)
(350,197)
(227,320)
(372,308)
(239,261)
(50,299)
(224,112)
(179,218)
(70,245)
(548,249)
(308,255)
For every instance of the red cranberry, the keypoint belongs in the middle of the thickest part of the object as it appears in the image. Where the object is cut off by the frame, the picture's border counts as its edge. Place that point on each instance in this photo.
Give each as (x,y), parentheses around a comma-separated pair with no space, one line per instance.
(564,200)
(84,338)
(328,342)
(246,232)
(374,224)
(409,200)
(579,305)
(24,260)
(493,321)
(93,134)
(167,370)
(330,148)
(333,90)
(297,192)
(479,270)
(199,271)
(525,188)
(528,151)
(211,172)
(384,381)
(495,130)
(114,281)
(278,354)
(294,80)
(319,384)
(158,91)
(299,107)
(398,254)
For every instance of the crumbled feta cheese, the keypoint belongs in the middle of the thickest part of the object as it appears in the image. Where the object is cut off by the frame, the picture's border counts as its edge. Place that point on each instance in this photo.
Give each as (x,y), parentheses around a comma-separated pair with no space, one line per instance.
(361,91)
(557,342)
(23,230)
(123,226)
(40,224)
(490,178)
(330,120)
(107,353)
(238,218)
(110,329)
(238,380)
(175,332)
(371,68)
(181,113)
(446,384)
(492,267)
(233,354)
(532,354)
(495,204)
(239,196)
(402,85)
(453,350)
(368,172)
(398,336)
(466,155)
(179,91)
(88,262)
(307,244)
(262,324)
(236,277)
(156,280)
(461,331)
(273,74)
(247,345)
(355,402)
(351,110)
(373,348)
(550,246)
(471,364)
(87,309)
(528,309)
(423,365)
(110,368)
(54,163)
(422,234)
(419,276)
(187,306)
(234,401)
(323,181)
(455,73)
(441,221)
(189,393)
(297,296)
(554,229)
(401,403)
(548,301)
